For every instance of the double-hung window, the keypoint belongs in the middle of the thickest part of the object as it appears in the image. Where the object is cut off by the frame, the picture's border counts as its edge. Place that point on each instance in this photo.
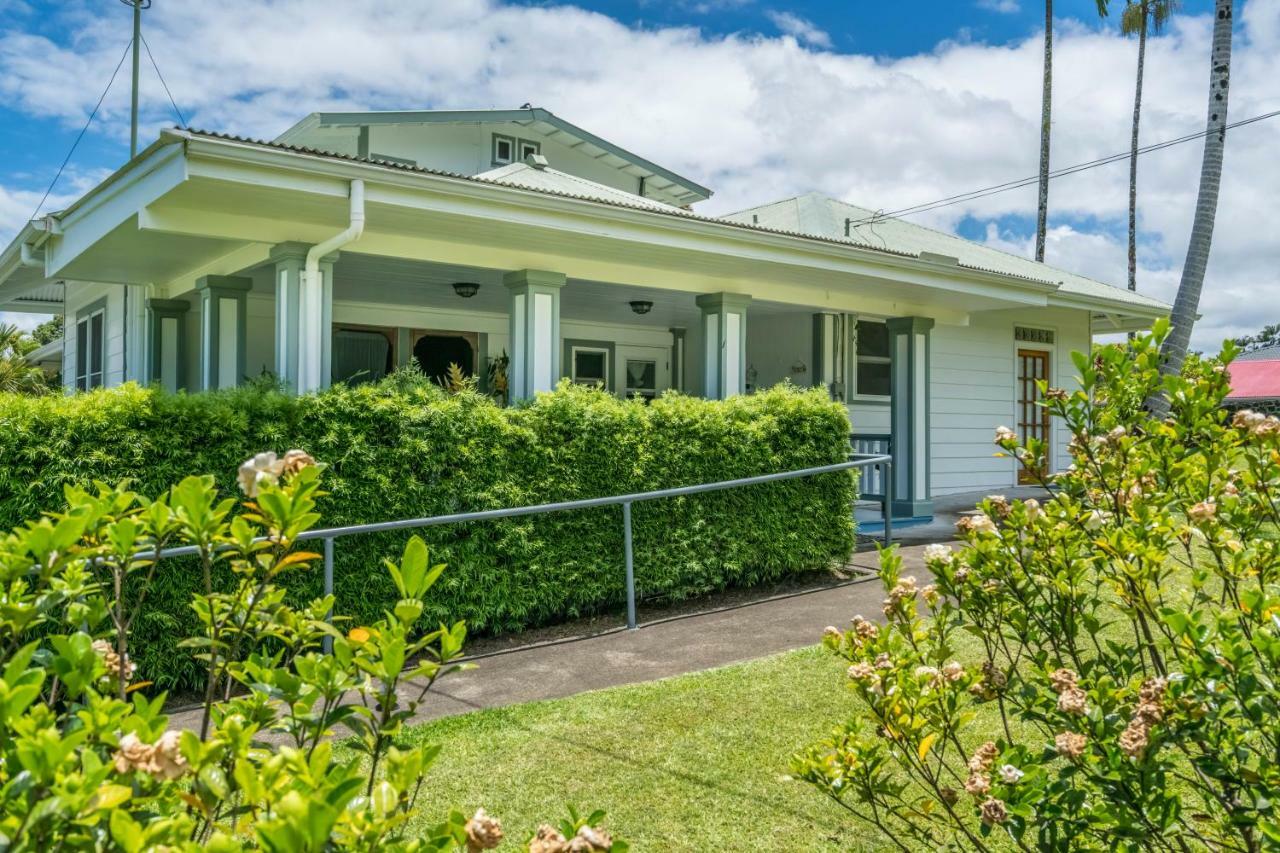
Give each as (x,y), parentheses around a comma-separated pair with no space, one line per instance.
(90,347)
(871,378)
(590,365)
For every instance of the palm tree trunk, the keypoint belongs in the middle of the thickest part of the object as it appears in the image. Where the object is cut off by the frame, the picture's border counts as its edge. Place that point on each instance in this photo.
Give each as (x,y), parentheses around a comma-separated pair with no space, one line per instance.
(1133,151)
(1046,111)
(1174,349)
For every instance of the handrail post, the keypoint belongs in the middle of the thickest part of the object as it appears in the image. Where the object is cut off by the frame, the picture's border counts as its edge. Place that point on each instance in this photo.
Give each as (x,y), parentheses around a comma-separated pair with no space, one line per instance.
(886,471)
(328,590)
(631,571)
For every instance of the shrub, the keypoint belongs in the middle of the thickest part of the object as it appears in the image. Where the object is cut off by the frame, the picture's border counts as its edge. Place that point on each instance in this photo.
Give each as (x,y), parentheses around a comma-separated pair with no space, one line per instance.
(87,761)
(403,449)
(1127,691)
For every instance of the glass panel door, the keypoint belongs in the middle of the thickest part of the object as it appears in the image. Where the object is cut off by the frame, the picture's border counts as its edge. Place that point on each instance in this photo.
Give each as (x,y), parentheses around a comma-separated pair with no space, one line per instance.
(1033,419)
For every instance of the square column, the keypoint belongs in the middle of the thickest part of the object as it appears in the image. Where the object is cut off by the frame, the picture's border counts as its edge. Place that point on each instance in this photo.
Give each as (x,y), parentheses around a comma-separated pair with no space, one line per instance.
(534,309)
(909,414)
(222,329)
(724,328)
(289,259)
(167,322)
(679,340)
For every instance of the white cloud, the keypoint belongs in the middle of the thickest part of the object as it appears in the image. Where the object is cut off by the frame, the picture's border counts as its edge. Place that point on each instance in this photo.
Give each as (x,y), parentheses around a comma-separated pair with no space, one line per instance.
(754,117)
(1004,7)
(802,29)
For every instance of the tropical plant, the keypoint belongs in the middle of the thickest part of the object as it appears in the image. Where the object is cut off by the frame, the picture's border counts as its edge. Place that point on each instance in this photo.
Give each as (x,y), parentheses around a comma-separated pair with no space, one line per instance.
(1124,691)
(17,375)
(48,331)
(89,761)
(1268,337)
(1140,17)
(1185,305)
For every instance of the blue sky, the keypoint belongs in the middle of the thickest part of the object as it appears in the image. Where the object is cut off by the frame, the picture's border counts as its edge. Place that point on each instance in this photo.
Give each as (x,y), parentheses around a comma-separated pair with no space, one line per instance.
(880,104)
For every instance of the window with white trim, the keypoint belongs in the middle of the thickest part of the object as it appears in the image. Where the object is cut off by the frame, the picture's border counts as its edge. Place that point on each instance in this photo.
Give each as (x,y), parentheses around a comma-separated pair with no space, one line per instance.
(504,149)
(871,374)
(91,350)
(527,148)
(590,365)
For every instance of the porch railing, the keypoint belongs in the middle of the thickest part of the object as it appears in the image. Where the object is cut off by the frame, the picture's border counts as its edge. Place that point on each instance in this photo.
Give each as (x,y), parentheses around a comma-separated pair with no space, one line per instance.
(882,464)
(872,484)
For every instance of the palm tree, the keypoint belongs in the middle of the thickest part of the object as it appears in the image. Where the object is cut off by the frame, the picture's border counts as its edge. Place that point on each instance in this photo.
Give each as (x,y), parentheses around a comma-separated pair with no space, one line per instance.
(17,375)
(1174,349)
(1046,113)
(1140,17)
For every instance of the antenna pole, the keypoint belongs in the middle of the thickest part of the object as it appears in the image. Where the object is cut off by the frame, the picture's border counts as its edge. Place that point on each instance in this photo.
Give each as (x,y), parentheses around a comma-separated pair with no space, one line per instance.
(133,114)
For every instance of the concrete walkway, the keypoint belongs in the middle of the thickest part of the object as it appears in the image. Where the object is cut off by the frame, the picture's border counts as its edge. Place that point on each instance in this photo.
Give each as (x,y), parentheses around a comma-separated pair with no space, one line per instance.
(659,649)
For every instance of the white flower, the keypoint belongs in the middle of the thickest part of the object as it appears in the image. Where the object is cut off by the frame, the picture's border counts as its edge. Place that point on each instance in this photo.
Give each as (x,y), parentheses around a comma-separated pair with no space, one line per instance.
(937,553)
(1003,434)
(1095,520)
(1010,775)
(264,468)
(1033,509)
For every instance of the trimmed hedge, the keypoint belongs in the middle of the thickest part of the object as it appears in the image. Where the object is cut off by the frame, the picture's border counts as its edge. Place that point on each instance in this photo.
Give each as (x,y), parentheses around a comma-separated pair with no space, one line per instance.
(402,448)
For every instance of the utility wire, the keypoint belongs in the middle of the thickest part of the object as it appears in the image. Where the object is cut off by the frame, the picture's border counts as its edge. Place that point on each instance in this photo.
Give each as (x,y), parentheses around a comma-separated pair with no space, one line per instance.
(182,121)
(974,195)
(88,122)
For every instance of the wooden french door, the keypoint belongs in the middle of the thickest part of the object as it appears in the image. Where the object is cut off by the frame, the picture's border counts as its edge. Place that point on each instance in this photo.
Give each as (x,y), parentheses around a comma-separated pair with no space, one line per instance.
(1033,420)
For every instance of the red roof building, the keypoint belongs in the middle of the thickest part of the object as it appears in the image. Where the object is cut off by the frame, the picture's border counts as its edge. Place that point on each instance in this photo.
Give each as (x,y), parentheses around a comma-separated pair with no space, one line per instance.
(1255,380)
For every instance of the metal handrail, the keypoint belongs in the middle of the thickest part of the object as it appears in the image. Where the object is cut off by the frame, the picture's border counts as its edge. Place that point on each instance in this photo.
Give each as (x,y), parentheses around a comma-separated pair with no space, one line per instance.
(329,534)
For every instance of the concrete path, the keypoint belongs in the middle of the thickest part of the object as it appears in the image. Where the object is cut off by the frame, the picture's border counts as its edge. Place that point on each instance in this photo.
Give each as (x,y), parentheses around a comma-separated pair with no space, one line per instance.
(686,643)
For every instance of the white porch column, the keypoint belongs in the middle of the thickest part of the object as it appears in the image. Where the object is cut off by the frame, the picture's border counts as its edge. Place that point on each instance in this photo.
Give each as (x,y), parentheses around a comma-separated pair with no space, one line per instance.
(724,329)
(534,309)
(136,356)
(167,321)
(909,414)
(679,340)
(222,329)
(289,259)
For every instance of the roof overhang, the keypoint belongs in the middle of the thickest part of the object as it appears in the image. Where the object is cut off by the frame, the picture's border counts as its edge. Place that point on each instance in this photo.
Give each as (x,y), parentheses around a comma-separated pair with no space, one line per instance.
(194,204)
(541,120)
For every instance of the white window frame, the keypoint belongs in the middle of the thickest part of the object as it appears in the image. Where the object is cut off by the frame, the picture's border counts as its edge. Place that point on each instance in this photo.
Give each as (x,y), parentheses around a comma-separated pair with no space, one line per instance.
(602,381)
(868,359)
(630,390)
(521,144)
(512,141)
(90,379)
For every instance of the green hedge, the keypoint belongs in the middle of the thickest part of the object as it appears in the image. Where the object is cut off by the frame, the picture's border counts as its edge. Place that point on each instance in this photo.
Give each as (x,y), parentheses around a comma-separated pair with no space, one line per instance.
(402,448)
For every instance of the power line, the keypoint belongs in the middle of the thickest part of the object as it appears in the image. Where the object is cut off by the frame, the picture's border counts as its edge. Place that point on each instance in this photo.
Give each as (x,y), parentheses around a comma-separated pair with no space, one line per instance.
(88,122)
(172,102)
(995,189)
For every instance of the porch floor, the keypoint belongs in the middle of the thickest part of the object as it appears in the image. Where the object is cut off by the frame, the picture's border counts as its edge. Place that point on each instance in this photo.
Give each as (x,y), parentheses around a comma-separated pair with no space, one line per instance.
(947,509)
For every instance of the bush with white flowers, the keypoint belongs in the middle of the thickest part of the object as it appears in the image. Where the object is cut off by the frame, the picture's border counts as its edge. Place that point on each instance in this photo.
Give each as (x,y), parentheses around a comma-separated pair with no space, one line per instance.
(89,761)
(1126,689)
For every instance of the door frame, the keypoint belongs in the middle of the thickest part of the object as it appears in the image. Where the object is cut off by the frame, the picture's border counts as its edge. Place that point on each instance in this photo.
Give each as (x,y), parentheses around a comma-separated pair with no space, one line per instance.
(1051,350)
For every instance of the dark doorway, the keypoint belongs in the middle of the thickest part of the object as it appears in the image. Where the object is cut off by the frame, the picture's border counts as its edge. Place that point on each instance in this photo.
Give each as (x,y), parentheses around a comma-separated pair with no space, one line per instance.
(434,354)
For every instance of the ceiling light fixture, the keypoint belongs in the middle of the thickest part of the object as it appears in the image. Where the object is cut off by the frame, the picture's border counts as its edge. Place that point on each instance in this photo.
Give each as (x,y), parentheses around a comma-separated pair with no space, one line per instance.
(465,289)
(641,306)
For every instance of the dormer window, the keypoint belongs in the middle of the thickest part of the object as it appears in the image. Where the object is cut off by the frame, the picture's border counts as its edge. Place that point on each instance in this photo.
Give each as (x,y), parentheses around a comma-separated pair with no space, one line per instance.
(528,148)
(504,149)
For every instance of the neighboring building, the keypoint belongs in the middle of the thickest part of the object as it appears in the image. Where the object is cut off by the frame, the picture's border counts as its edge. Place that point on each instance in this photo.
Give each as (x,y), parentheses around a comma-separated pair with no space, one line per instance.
(1255,381)
(356,242)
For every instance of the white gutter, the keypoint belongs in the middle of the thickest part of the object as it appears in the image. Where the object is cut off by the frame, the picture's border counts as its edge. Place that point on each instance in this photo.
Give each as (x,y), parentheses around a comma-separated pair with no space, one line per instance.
(311,298)
(30,259)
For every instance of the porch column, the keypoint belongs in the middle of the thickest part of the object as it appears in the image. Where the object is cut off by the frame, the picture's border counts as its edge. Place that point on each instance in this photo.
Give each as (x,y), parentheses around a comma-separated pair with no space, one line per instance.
(315,329)
(534,309)
(909,414)
(167,324)
(679,340)
(724,327)
(289,259)
(830,352)
(222,329)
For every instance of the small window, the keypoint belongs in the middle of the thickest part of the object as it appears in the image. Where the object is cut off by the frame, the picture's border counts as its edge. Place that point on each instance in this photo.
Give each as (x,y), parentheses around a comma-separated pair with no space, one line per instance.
(642,378)
(90,350)
(504,149)
(872,375)
(590,366)
(528,148)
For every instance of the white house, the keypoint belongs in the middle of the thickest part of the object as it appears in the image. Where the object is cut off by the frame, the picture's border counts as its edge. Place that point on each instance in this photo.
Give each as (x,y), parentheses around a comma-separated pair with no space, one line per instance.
(355,242)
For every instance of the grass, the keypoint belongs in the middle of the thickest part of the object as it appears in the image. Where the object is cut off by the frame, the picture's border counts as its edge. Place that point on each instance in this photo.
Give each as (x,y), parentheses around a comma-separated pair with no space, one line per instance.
(695,762)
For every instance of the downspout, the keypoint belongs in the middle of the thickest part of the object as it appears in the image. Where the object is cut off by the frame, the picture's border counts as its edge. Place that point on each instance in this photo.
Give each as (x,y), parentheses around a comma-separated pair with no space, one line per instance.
(311,297)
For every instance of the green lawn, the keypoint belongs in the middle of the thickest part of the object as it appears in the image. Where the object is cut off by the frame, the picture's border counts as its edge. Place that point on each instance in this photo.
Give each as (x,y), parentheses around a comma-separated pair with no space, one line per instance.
(695,762)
